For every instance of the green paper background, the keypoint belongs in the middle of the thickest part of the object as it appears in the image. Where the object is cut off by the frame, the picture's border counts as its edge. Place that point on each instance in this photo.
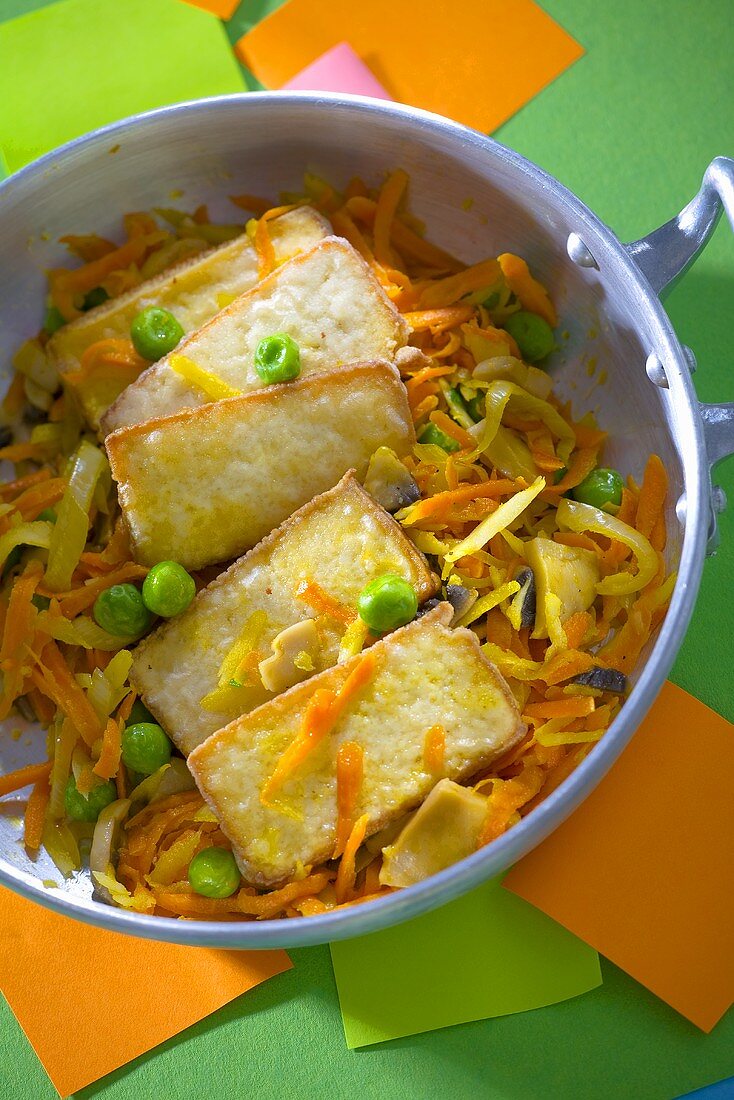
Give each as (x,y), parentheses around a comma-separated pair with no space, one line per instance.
(630,128)
(404,979)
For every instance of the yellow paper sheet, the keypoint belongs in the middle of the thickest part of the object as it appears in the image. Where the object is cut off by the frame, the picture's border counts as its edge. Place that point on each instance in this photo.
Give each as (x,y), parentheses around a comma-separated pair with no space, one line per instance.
(477,62)
(90,1000)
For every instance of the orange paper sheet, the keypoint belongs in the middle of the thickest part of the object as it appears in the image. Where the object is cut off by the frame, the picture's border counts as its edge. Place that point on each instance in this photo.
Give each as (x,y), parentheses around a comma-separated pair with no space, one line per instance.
(223,9)
(477,62)
(644,870)
(90,1001)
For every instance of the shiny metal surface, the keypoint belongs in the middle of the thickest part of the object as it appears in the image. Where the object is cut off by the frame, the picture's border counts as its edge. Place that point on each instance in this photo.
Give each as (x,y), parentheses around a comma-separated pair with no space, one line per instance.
(261,143)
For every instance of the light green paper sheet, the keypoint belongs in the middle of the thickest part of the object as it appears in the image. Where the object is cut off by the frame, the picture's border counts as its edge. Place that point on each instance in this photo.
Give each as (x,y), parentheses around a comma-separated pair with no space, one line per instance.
(475,958)
(80,64)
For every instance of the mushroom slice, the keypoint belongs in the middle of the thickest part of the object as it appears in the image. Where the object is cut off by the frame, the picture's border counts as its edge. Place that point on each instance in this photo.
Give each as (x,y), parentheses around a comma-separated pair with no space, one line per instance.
(444,830)
(293,658)
(389,482)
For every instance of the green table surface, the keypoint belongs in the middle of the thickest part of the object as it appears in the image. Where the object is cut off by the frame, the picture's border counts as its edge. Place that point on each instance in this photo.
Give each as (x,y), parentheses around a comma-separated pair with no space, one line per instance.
(629,128)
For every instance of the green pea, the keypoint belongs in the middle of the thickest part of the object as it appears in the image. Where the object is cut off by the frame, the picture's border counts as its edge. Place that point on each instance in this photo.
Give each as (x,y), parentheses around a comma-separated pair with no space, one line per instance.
(48,514)
(600,487)
(155,332)
(277,358)
(139,713)
(387,602)
(95,297)
(476,407)
(168,589)
(145,748)
(532,334)
(432,434)
(120,610)
(53,321)
(214,873)
(87,807)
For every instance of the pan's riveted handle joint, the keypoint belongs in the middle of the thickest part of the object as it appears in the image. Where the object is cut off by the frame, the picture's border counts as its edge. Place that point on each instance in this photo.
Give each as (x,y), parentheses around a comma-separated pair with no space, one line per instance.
(666,253)
(662,257)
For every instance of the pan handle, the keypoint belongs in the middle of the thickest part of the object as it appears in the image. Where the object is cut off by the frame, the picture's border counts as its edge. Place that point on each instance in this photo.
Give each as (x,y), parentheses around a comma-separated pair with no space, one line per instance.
(662,257)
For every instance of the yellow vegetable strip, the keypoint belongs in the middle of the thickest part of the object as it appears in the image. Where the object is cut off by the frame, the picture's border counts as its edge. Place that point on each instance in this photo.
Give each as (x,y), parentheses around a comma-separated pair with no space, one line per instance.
(500,519)
(584,517)
(214,388)
(486,603)
(69,534)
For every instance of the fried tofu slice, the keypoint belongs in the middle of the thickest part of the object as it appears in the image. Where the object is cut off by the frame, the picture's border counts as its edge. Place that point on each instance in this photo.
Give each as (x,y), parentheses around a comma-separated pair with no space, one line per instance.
(342,539)
(420,676)
(207,484)
(193,291)
(326,299)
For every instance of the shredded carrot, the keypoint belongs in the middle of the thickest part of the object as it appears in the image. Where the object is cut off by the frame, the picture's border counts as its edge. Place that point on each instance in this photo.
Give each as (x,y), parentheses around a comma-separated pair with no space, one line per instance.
(434,750)
(35,814)
(446,292)
(109,757)
(346,873)
(653,491)
(349,773)
(450,427)
(561,708)
(438,320)
(17,637)
(387,204)
(53,678)
(506,798)
(533,296)
(321,714)
(320,600)
(263,243)
(75,601)
(576,628)
(24,777)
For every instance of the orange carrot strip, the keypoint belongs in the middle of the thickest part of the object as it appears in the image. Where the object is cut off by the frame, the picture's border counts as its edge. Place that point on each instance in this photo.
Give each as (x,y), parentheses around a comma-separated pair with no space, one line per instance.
(346,874)
(387,204)
(405,239)
(532,294)
(438,319)
(574,707)
(320,600)
(349,775)
(425,373)
(322,712)
(252,203)
(65,284)
(570,663)
(73,602)
(118,354)
(263,243)
(23,777)
(583,462)
(35,813)
(446,292)
(87,246)
(450,427)
(53,677)
(576,627)
(15,488)
(17,637)
(344,225)
(439,503)
(653,491)
(269,905)
(109,757)
(22,452)
(434,750)
(507,796)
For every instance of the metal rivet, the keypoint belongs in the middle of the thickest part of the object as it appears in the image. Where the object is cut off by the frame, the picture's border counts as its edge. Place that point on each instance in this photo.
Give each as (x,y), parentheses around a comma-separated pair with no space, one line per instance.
(718,499)
(656,371)
(690,359)
(681,509)
(579,252)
